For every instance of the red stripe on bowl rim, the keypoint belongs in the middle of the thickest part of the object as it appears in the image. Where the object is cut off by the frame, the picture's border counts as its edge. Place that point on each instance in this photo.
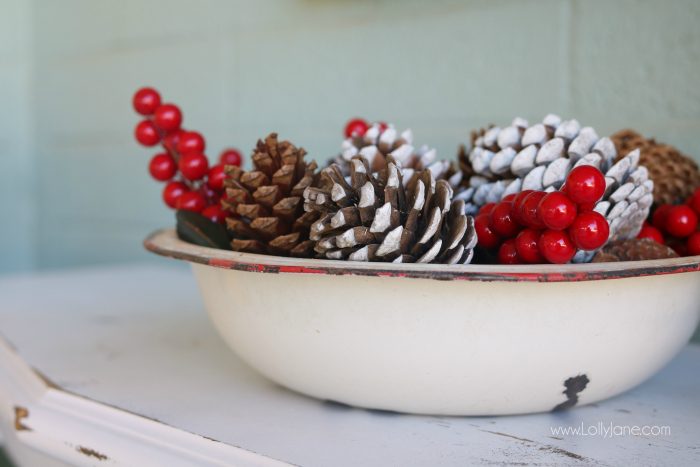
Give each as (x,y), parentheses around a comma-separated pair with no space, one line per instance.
(166,243)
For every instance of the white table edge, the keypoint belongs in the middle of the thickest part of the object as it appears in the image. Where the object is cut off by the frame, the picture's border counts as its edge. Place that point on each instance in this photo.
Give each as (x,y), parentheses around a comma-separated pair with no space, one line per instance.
(81,431)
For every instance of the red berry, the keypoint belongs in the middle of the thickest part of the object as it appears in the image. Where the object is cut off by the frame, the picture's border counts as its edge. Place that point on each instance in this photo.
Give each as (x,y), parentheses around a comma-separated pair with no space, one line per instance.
(658,220)
(487,208)
(193,165)
(172,192)
(146,133)
(693,244)
(171,139)
(191,201)
(681,221)
(214,213)
(231,157)
(383,126)
(510,197)
(146,101)
(502,223)
(694,201)
(190,141)
(556,211)
(211,196)
(216,177)
(589,231)
(486,236)
(356,127)
(528,210)
(556,246)
(585,184)
(518,206)
(586,207)
(168,117)
(507,253)
(527,245)
(649,231)
(162,167)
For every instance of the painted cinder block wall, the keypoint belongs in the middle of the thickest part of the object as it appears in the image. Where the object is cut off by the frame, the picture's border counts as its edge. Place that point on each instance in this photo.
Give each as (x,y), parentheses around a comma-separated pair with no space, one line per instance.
(17,198)
(74,186)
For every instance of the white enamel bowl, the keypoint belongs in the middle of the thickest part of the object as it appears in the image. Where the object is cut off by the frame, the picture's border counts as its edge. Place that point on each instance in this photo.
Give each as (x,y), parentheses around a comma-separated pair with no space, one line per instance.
(449,340)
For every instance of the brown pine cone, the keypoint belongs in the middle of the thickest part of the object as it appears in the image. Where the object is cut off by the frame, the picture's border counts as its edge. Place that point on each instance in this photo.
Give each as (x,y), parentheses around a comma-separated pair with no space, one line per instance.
(635,249)
(265,205)
(377,217)
(675,175)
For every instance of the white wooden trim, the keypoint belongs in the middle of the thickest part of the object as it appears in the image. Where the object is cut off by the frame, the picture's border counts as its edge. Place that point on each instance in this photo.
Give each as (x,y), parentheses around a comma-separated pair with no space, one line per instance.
(83,432)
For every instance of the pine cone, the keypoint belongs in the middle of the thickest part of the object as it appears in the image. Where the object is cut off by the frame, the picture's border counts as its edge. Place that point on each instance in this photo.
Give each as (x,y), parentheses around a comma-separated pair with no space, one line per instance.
(628,196)
(376,144)
(265,204)
(635,249)
(539,157)
(521,157)
(675,175)
(378,217)
(463,164)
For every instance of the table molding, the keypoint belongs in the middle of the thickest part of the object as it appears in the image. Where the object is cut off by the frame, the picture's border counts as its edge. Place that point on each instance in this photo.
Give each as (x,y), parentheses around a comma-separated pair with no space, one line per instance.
(83,432)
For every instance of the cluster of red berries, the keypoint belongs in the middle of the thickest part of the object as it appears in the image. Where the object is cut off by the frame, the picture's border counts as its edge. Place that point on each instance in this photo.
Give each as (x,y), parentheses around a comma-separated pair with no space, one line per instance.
(191,183)
(676,226)
(539,227)
(358,127)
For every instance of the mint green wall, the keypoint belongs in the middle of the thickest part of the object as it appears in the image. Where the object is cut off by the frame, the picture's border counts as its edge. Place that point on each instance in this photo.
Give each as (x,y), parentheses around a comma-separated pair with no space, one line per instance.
(74,185)
(18,199)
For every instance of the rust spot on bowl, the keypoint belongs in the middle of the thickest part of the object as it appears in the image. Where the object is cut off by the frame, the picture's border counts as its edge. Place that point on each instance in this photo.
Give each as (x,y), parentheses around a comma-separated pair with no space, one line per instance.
(21,414)
(91,453)
(574,386)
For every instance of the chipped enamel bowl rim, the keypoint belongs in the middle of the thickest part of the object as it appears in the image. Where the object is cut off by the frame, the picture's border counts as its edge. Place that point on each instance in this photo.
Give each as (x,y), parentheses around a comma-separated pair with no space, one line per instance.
(166,243)
(447,340)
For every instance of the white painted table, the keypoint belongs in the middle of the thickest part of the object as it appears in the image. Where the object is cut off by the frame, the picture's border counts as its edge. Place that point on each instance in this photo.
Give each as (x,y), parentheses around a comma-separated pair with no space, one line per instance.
(128,371)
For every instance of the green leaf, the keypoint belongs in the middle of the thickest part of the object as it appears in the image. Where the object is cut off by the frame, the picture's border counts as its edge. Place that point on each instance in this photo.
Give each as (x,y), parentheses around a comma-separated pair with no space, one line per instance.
(194,228)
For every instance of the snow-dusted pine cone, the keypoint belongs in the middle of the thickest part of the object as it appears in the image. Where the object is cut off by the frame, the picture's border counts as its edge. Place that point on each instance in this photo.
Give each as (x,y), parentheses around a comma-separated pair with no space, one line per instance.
(376,216)
(523,157)
(627,200)
(628,196)
(377,143)
(265,205)
(675,175)
(539,157)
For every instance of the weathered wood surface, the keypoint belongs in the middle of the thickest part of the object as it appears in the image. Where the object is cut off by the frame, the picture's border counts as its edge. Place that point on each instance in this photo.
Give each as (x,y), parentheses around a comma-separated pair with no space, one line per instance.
(133,374)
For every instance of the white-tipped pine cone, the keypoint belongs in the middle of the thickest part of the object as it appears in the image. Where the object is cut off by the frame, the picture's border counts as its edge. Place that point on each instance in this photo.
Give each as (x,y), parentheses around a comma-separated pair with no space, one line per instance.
(376,216)
(628,197)
(629,194)
(377,143)
(540,157)
(529,157)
